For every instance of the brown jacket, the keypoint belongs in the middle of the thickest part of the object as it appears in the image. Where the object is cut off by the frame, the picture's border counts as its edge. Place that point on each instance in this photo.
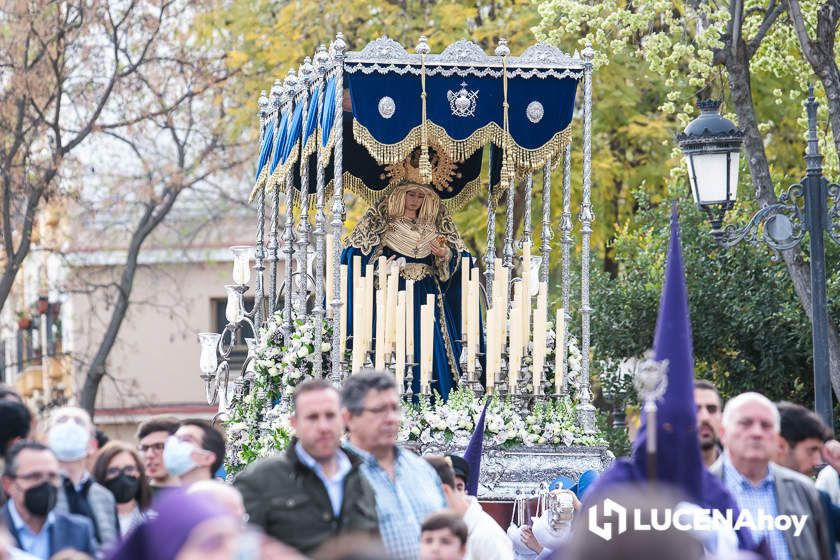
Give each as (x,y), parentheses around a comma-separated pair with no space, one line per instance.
(288,500)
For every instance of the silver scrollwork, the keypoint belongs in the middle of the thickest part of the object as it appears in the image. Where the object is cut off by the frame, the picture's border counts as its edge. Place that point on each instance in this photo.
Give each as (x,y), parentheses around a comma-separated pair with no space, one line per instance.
(534,111)
(544,53)
(780,225)
(387,107)
(464,51)
(384,48)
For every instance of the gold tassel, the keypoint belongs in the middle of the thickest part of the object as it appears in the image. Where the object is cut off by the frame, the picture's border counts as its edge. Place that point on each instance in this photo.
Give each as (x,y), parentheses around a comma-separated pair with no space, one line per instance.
(425,164)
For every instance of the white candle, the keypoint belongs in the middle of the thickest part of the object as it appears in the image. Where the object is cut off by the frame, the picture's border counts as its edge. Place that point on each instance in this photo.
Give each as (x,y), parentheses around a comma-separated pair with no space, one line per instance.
(491,333)
(559,358)
(390,309)
(369,305)
(358,299)
(409,319)
(382,270)
(400,340)
(430,322)
(465,288)
(358,322)
(502,301)
(343,309)
(474,323)
(379,362)
(539,338)
(329,274)
(515,347)
(425,348)
(525,323)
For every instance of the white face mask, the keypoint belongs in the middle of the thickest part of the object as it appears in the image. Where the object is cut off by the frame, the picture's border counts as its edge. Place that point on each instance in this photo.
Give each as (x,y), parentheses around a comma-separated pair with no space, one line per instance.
(177,456)
(69,441)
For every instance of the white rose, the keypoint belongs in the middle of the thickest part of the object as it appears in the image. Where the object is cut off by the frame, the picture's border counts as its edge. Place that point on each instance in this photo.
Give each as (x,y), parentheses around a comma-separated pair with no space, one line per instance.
(325,347)
(303,352)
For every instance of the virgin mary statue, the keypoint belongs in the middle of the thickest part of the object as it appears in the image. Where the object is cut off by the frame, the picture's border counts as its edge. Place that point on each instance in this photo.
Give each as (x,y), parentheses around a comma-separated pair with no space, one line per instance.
(411,227)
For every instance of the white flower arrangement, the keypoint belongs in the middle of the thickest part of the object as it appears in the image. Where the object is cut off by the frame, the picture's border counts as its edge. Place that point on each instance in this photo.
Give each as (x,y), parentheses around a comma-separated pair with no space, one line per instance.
(452,423)
(258,420)
(259,426)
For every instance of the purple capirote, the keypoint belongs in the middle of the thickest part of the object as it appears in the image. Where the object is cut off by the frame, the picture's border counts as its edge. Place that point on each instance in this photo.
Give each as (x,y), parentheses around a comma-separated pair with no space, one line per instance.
(472,454)
(679,463)
(170,521)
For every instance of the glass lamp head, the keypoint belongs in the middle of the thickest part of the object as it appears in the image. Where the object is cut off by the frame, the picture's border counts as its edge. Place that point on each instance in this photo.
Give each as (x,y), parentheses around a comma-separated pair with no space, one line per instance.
(209,342)
(241,263)
(712,146)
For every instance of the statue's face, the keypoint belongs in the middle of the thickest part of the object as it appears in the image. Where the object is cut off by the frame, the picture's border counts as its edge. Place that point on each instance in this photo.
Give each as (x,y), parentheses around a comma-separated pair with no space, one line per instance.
(414,199)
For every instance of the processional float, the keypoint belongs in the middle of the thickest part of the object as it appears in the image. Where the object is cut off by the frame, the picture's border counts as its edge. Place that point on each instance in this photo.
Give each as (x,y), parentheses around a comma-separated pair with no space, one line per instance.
(346,123)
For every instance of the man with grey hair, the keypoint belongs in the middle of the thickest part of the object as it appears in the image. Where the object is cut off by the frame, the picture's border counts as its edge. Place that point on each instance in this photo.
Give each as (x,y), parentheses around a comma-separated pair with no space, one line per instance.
(750,434)
(407,488)
(71,437)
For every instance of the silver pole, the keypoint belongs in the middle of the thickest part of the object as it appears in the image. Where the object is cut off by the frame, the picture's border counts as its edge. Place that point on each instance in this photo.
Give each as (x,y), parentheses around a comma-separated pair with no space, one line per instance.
(527,228)
(259,254)
(545,237)
(566,241)
(320,218)
(339,46)
(490,253)
(585,408)
(303,222)
(508,247)
(277,101)
(291,84)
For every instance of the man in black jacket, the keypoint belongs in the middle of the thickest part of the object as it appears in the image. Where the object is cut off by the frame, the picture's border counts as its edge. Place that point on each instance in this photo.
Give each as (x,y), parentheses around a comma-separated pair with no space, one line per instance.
(31,480)
(314,490)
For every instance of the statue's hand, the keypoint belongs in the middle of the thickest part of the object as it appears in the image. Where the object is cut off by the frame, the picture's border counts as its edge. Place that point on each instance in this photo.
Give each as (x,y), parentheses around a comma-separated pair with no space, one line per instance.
(438,251)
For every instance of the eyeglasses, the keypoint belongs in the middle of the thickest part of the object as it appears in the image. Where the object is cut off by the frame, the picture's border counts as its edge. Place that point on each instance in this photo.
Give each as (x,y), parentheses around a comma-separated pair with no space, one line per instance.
(384,409)
(158,447)
(114,472)
(37,477)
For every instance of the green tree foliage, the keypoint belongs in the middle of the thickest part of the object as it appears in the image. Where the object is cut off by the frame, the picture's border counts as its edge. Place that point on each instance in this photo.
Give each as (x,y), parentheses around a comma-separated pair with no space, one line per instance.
(747,53)
(749,331)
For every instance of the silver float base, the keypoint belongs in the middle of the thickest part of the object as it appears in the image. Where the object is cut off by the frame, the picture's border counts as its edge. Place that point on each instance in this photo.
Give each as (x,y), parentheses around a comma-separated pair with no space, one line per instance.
(516,472)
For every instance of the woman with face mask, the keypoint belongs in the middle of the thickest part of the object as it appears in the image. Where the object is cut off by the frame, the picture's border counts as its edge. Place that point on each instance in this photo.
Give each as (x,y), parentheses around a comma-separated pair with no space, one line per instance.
(119,469)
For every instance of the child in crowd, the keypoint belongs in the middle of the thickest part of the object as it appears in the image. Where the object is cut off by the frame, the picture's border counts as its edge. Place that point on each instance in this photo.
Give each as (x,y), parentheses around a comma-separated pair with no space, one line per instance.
(443,536)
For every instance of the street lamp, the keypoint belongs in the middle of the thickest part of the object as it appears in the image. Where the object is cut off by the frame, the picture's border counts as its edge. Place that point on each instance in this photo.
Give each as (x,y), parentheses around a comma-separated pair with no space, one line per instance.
(711,145)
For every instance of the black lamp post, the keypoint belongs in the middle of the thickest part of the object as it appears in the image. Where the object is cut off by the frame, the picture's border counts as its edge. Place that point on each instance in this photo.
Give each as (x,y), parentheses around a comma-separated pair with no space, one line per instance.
(711,145)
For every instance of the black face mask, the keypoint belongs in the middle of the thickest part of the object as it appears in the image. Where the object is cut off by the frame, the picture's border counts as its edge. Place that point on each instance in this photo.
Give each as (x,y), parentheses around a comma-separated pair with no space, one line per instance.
(40,500)
(124,488)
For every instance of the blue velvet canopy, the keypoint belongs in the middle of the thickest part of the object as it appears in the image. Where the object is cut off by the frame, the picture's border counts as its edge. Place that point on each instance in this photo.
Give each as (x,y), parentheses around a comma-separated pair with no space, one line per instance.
(442,108)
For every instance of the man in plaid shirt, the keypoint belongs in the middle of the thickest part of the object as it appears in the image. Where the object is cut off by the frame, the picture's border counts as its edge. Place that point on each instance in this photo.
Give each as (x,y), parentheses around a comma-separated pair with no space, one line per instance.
(407,488)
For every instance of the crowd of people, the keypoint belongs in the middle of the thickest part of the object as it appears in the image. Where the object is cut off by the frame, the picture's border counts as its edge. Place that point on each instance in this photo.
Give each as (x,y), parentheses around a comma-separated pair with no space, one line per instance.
(345,489)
